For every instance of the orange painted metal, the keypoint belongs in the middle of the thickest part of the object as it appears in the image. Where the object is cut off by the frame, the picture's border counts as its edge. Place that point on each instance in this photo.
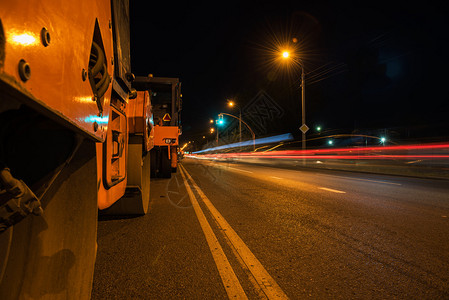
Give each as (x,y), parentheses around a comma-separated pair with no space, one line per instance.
(116,149)
(163,132)
(112,157)
(136,122)
(140,118)
(107,196)
(54,38)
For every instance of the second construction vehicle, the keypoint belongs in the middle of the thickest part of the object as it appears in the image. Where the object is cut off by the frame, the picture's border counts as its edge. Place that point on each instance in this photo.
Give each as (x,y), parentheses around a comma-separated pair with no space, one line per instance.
(165,95)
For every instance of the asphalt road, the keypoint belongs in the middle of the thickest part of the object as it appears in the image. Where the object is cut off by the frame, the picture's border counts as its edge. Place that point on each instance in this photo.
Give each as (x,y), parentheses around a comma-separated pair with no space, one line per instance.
(316,234)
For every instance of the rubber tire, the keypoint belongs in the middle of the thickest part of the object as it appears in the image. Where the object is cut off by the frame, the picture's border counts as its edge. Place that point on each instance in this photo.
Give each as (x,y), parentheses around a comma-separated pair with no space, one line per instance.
(165,170)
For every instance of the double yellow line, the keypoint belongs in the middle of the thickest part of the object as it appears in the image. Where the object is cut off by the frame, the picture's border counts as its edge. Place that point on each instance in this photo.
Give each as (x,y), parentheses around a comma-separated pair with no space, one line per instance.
(261,279)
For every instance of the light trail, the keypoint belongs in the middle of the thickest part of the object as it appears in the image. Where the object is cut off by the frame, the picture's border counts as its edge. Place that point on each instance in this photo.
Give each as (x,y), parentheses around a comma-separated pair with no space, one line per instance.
(267,140)
(352,157)
(403,152)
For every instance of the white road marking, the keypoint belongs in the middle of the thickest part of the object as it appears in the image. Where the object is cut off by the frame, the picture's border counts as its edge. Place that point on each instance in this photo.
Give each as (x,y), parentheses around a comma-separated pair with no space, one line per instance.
(268,285)
(276,177)
(230,281)
(240,170)
(377,181)
(359,179)
(332,190)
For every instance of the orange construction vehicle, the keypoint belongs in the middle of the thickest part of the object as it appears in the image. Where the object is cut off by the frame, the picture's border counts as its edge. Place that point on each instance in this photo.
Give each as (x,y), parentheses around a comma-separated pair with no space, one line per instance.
(75,138)
(165,94)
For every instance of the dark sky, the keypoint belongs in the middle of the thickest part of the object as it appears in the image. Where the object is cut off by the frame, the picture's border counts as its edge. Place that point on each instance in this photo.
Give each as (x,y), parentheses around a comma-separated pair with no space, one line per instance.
(369,65)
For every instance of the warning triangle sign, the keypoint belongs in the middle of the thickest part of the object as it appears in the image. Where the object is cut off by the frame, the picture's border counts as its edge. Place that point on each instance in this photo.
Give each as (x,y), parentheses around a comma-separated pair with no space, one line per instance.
(166,118)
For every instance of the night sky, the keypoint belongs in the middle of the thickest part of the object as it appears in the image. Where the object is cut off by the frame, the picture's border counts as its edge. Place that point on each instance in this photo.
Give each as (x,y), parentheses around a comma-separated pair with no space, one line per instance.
(375,67)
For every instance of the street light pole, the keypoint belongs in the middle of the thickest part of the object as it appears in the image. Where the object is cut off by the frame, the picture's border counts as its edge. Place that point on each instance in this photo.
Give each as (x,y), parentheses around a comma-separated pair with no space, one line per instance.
(217,133)
(303,106)
(232,103)
(240,125)
(304,128)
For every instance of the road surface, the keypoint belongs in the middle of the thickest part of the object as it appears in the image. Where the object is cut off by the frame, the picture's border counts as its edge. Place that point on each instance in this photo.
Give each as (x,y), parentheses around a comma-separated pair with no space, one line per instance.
(262,232)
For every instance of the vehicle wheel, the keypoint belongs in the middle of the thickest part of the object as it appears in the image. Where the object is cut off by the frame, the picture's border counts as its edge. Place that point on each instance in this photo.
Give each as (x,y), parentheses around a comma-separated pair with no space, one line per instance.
(53,255)
(165,169)
(137,195)
(154,162)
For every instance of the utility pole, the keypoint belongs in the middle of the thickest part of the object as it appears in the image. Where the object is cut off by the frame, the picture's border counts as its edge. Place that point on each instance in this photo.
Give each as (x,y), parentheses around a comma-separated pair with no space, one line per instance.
(217,135)
(303,107)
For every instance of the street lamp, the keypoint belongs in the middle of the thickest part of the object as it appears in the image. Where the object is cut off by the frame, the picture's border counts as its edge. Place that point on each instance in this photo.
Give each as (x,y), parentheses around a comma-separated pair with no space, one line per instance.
(240,119)
(232,104)
(304,128)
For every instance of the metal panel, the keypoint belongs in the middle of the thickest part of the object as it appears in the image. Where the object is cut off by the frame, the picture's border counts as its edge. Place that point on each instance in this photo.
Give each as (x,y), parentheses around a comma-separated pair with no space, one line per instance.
(54,38)
(122,58)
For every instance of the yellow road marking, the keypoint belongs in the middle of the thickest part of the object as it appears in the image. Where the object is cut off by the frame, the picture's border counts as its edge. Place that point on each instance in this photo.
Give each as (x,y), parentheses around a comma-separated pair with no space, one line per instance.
(230,281)
(269,286)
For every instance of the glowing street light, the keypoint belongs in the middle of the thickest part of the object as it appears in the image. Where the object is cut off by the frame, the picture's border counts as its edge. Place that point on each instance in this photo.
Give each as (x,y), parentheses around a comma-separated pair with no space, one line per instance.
(232,104)
(286,55)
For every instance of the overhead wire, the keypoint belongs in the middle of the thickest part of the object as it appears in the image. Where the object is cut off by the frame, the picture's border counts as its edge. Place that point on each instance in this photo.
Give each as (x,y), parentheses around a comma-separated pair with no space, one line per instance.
(339,68)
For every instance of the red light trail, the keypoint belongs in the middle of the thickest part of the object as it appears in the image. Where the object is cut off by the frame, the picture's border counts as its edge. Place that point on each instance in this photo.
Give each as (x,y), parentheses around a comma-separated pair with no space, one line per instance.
(406,152)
